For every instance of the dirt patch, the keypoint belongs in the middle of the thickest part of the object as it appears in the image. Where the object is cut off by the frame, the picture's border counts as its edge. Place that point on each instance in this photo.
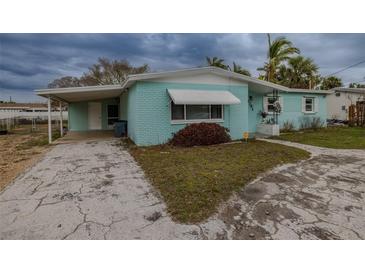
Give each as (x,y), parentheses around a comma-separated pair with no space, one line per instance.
(18,151)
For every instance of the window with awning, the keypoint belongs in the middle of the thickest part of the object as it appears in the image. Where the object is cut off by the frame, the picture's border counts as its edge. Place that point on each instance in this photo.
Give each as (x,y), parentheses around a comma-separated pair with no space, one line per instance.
(199,105)
(196,112)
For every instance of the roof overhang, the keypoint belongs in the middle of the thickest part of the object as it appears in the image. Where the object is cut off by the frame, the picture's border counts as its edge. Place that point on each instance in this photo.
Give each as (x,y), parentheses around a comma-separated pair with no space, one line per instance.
(202,97)
(259,86)
(350,90)
(268,86)
(78,94)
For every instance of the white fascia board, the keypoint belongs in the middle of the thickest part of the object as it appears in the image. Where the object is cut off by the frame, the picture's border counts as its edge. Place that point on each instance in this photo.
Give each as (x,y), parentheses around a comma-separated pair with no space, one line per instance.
(310,91)
(77,89)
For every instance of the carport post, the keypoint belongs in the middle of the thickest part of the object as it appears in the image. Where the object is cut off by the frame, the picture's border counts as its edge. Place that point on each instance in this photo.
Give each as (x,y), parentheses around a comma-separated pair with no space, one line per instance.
(61,120)
(49,121)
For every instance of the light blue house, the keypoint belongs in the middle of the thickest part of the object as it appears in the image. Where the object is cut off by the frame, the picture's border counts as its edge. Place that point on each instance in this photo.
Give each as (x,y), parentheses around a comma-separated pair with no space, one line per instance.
(156,105)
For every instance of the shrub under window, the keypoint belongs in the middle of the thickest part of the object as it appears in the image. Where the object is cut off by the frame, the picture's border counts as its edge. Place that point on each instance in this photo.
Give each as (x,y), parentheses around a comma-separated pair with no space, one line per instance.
(200,134)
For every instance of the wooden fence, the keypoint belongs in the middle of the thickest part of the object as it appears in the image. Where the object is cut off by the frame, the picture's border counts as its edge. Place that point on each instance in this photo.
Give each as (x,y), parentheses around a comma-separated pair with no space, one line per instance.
(357,114)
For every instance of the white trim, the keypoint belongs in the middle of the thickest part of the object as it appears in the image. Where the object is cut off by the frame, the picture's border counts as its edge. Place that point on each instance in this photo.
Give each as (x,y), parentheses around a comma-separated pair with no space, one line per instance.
(305,105)
(178,122)
(78,89)
(350,90)
(266,104)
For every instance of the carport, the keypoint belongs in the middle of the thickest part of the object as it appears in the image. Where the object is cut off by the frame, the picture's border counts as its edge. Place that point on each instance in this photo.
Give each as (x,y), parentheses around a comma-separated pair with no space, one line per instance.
(90,108)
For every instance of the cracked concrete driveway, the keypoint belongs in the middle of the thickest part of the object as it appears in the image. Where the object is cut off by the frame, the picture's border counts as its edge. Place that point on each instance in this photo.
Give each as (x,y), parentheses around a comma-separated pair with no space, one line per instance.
(86,190)
(95,190)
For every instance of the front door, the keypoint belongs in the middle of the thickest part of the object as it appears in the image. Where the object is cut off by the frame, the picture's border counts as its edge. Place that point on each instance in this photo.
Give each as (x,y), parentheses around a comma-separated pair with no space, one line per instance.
(94,115)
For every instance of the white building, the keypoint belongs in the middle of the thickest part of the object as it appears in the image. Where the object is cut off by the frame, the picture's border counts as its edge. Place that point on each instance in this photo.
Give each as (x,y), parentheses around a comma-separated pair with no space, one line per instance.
(339,101)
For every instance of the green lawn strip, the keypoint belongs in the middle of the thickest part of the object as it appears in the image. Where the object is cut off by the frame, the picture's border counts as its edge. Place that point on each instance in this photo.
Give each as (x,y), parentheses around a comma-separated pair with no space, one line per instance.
(194,181)
(331,137)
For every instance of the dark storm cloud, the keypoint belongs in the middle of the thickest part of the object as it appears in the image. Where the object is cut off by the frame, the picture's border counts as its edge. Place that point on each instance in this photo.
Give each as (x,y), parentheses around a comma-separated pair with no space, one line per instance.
(29,61)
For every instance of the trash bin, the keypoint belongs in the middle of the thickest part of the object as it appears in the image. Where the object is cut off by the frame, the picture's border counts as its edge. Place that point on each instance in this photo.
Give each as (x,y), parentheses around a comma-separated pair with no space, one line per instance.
(120,128)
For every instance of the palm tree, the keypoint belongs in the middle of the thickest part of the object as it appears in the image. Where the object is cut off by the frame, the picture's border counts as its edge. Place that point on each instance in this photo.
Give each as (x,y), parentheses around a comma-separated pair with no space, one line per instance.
(331,82)
(240,70)
(216,62)
(300,72)
(280,50)
(356,85)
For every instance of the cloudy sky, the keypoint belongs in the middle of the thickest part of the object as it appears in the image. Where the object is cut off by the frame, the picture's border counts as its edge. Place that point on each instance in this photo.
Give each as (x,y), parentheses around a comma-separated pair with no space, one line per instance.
(30,61)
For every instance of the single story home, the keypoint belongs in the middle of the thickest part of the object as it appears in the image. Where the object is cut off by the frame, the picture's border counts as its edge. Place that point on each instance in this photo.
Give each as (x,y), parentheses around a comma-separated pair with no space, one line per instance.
(156,105)
(340,99)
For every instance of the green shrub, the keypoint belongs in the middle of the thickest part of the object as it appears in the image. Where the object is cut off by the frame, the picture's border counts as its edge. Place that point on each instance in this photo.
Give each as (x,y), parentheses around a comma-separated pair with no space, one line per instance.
(310,123)
(288,126)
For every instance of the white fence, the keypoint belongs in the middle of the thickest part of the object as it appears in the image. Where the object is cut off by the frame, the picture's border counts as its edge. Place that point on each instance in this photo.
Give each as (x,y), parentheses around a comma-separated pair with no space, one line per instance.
(10,120)
(30,115)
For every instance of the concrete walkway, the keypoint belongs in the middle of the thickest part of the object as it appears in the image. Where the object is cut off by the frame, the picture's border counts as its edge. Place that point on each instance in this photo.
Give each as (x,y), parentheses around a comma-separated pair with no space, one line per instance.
(95,190)
(320,198)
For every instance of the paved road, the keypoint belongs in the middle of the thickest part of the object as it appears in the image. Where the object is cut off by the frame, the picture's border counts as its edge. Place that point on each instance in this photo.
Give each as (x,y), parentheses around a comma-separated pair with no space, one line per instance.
(95,190)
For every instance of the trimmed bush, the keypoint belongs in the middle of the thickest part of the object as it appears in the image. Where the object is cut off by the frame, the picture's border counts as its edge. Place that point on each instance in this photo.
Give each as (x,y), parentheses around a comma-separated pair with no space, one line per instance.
(200,134)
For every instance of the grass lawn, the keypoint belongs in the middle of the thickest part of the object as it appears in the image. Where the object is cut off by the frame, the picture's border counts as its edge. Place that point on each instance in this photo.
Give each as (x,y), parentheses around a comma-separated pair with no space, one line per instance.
(194,181)
(331,137)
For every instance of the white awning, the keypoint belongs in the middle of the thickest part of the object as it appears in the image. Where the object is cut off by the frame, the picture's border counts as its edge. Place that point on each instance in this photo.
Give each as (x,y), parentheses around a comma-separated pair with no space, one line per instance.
(202,97)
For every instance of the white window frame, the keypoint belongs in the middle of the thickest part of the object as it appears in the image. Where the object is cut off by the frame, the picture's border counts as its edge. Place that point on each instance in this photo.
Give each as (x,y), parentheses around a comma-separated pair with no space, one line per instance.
(266,104)
(268,97)
(313,105)
(191,121)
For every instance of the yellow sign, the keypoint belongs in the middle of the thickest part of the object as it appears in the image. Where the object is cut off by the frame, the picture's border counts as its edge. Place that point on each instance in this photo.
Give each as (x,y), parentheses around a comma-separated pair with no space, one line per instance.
(245,135)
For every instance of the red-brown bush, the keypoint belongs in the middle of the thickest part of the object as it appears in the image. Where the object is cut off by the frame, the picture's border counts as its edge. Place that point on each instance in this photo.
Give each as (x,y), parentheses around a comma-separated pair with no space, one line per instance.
(200,134)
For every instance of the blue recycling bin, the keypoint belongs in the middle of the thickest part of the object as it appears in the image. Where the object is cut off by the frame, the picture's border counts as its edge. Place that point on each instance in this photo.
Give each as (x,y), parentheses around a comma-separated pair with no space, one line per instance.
(120,128)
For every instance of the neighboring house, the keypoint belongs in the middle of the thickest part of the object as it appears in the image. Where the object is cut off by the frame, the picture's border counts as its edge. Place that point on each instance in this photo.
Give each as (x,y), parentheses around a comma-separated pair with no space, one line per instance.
(158,104)
(340,99)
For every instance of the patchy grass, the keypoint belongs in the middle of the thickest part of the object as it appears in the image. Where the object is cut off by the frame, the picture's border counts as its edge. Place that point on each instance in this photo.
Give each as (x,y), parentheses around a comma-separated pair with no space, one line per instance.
(194,181)
(331,137)
(37,140)
(20,149)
